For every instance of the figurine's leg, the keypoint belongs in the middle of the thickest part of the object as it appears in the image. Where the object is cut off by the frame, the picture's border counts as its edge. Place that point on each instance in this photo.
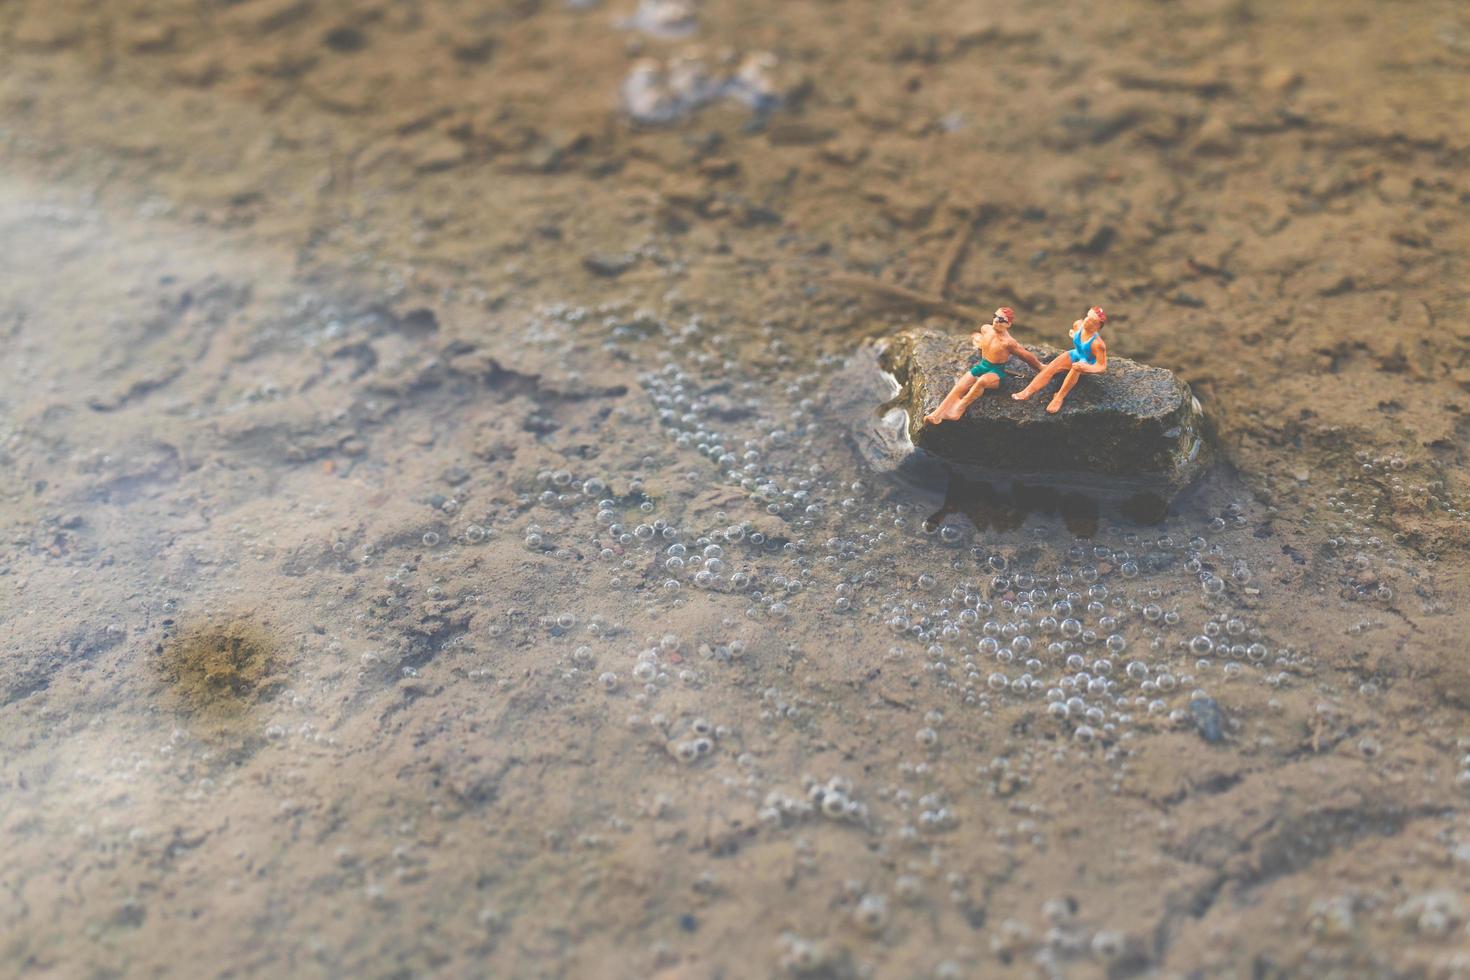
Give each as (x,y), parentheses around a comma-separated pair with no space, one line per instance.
(961,385)
(981,385)
(1059,363)
(1068,384)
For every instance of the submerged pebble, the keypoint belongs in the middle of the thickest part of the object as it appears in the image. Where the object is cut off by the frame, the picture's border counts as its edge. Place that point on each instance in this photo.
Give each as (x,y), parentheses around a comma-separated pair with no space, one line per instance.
(1208,719)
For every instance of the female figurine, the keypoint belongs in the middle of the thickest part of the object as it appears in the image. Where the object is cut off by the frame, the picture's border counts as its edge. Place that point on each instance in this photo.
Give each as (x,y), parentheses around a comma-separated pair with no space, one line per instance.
(1089,355)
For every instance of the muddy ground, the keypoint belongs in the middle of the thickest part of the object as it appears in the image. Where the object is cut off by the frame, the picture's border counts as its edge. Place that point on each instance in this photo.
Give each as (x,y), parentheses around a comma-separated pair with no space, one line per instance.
(439,540)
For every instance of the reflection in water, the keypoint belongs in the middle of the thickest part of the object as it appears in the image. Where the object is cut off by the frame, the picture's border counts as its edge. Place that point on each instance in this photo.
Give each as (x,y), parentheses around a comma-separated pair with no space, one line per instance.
(1004,507)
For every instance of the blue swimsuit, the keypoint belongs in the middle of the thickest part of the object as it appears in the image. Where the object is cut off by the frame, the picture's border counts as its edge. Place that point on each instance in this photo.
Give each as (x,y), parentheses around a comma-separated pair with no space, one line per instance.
(1081,353)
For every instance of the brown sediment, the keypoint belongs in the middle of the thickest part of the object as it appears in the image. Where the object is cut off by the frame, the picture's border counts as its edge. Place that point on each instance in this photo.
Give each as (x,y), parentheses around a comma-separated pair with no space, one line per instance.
(320,301)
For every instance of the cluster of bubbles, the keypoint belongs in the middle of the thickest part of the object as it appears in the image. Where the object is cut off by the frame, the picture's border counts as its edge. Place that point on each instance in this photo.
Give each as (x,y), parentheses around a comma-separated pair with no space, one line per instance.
(697,741)
(1062,939)
(1365,508)
(1098,634)
(661,91)
(1099,639)
(1057,944)
(657,92)
(663,18)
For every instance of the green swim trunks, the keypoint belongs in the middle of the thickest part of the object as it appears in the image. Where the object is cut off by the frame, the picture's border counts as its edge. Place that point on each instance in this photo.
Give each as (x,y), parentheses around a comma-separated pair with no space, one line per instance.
(985,367)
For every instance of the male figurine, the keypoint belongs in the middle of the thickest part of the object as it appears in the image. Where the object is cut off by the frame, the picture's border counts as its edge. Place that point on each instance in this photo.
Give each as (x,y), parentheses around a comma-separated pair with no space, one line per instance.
(996,345)
(1089,355)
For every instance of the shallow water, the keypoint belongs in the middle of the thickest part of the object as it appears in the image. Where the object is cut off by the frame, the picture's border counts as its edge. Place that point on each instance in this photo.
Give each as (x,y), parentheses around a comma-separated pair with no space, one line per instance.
(451,528)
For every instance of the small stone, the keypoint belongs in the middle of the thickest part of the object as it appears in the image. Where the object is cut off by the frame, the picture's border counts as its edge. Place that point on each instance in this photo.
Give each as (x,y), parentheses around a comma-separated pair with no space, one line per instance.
(607,264)
(274,15)
(198,71)
(548,154)
(1133,430)
(1281,79)
(1096,239)
(798,133)
(345,39)
(1208,718)
(438,152)
(845,151)
(152,38)
(718,167)
(476,50)
(904,210)
(1396,188)
(1215,136)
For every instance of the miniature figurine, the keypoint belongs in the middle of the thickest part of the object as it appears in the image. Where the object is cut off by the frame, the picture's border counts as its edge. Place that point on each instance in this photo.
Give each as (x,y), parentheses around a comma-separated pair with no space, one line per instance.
(996,345)
(1089,355)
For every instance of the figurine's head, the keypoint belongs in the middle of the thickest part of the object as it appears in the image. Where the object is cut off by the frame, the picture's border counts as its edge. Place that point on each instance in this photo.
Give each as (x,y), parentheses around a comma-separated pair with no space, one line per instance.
(1098,317)
(1004,316)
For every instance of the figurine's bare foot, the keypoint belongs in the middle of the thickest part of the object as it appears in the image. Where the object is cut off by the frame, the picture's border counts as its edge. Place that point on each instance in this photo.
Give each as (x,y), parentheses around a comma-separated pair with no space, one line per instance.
(1055,405)
(933,418)
(955,412)
(1022,395)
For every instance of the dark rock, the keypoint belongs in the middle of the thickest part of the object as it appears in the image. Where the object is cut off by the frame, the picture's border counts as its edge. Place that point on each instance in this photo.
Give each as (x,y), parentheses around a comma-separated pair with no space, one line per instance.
(1132,430)
(345,39)
(418,323)
(1208,718)
(435,152)
(1097,239)
(797,133)
(1079,130)
(476,51)
(274,15)
(607,264)
(551,151)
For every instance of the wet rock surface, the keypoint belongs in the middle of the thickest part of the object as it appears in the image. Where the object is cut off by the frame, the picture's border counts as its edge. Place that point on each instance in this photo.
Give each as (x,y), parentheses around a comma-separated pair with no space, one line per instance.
(1135,428)
(586,628)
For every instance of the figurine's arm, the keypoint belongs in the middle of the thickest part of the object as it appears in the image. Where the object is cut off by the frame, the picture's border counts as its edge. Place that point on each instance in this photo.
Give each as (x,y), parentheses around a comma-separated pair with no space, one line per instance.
(1025,355)
(1100,351)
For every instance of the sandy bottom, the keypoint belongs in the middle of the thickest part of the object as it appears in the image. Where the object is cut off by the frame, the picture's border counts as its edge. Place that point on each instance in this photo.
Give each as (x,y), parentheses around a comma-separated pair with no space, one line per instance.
(450,530)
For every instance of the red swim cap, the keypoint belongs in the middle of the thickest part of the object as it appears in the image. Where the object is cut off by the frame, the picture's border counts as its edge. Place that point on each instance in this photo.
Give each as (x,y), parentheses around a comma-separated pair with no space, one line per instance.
(1097,311)
(1007,314)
